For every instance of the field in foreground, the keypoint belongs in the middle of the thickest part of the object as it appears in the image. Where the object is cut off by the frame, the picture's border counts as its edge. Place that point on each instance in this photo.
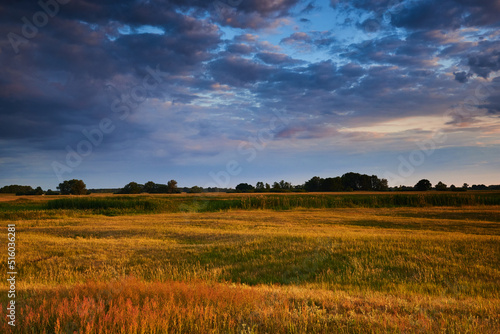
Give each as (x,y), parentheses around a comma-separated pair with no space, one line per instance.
(325,270)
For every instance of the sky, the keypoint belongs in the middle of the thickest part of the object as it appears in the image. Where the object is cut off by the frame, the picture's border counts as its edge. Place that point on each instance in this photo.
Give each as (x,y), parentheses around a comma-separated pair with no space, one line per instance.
(216,93)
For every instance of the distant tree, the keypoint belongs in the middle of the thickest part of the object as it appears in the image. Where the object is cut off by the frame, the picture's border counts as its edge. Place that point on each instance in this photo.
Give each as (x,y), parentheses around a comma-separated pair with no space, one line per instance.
(72,187)
(314,184)
(196,190)
(244,187)
(172,187)
(260,186)
(441,186)
(384,185)
(39,191)
(351,181)
(150,187)
(285,185)
(268,187)
(365,182)
(132,188)
(405,188)
(331,184)
(453,188)
(378,184)
(423,185)
(347,182)
(14,189)
(51,192)
(299,187)
(465,186)
(276,186)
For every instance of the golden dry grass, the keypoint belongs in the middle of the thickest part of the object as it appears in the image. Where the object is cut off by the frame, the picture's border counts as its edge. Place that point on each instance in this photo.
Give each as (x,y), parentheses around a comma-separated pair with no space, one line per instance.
(320,271)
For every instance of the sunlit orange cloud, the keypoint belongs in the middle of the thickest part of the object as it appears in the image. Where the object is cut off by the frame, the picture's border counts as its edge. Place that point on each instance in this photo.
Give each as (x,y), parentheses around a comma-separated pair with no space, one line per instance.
(422,123)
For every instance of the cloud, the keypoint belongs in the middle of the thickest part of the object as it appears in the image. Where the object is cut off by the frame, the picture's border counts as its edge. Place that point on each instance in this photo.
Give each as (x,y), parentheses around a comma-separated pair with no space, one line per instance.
(423,15)
(238,71)
(306,42)
(490,92)
(254,14)
(297,37)
(278,59)
(57,80)
(241,48)
(393,50)
(485,64)
(448,14)
(461,77)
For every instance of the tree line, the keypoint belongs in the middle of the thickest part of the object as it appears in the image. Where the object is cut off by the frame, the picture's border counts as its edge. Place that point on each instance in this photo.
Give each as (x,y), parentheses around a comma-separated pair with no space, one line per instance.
(69,187)
(151,188)
(354,182)
(347,182)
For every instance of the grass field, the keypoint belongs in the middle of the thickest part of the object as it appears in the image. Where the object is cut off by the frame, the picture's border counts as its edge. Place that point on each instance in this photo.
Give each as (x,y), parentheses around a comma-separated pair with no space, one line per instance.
(287,263)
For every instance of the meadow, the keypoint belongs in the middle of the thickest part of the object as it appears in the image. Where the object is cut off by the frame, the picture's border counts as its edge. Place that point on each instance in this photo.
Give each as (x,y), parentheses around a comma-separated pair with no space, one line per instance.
(256,263)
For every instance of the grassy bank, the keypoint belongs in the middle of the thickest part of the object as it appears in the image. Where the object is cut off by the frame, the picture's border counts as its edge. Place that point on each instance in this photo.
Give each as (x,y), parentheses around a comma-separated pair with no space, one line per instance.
(112,205)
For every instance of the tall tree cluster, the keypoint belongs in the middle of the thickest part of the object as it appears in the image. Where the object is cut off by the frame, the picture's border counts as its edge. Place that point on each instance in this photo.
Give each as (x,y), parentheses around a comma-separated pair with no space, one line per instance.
(347,182)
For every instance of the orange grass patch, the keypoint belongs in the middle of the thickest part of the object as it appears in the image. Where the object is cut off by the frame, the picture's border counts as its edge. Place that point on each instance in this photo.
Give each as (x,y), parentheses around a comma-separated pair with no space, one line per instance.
(133,306)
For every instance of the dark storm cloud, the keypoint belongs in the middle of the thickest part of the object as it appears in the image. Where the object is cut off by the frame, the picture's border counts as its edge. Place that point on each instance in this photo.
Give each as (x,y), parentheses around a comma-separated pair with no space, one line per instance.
(429,15)
(238,71)
(322,76)
(492,101)
(461,77)
(476,58)
(253,14)
(268,8)
(484,64)
(451,14)
(368,5)
(56,81)
(240,48)
(392,50)
(352,70)
(277,59)
(425,15)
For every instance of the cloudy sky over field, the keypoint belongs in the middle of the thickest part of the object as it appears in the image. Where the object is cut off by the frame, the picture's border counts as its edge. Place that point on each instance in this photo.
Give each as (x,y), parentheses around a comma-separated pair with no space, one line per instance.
(222,92)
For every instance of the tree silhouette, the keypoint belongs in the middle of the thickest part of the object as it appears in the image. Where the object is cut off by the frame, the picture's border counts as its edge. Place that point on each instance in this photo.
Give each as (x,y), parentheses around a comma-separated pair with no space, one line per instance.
(441,186)
(423,185)
(196,190)
(172,187)
(150,187)
(16,189)
(72,187)
(132,188)
(331,184)
(314,184)
(244,187)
